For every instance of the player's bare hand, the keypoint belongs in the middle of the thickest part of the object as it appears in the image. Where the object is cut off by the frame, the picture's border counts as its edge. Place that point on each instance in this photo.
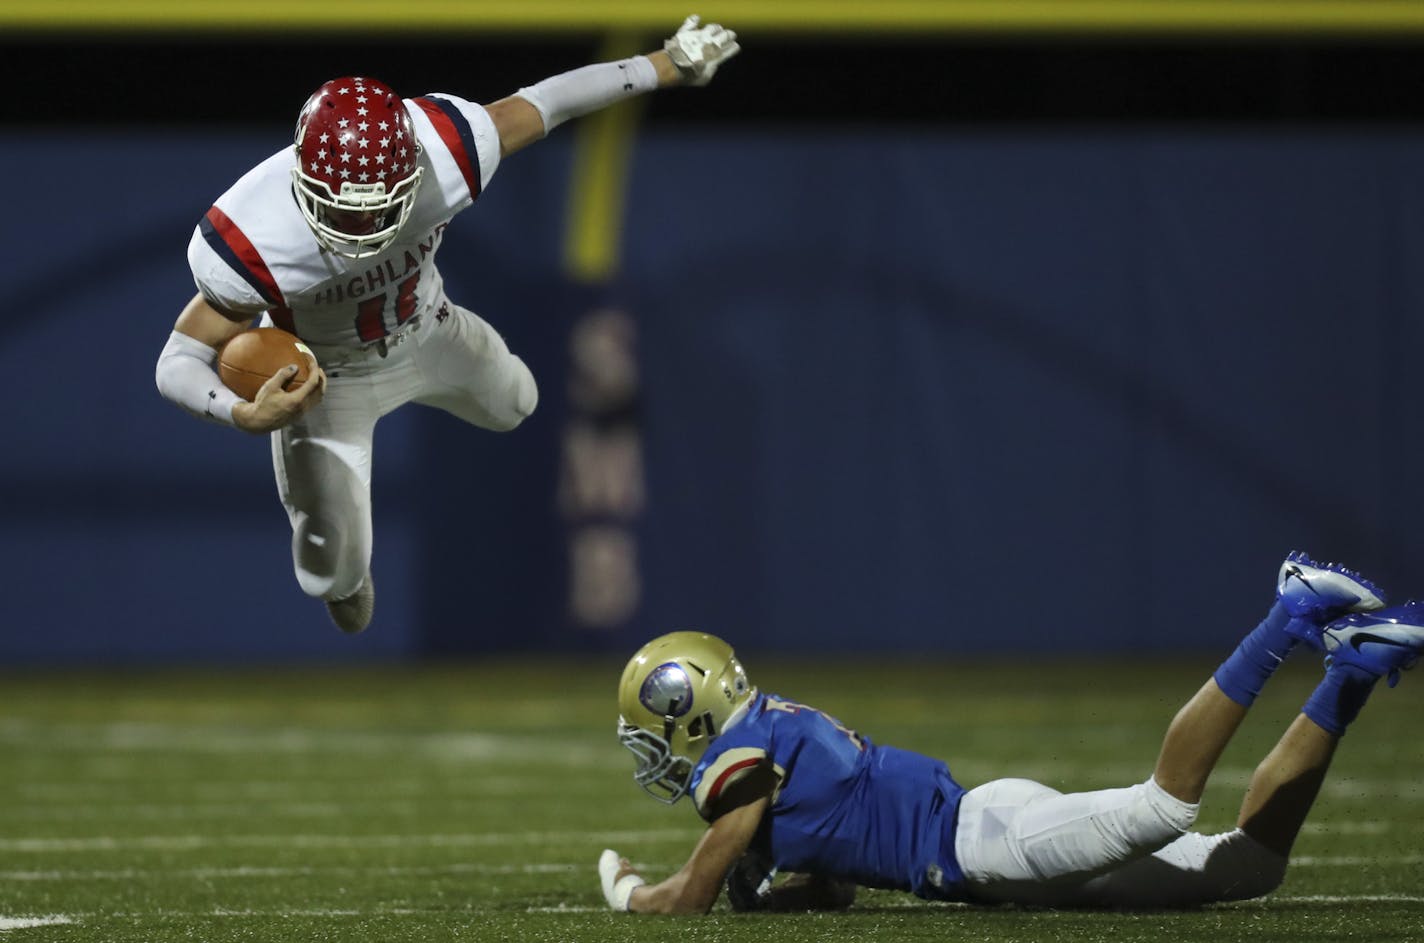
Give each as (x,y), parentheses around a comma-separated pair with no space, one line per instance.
(274,407)
(698,50)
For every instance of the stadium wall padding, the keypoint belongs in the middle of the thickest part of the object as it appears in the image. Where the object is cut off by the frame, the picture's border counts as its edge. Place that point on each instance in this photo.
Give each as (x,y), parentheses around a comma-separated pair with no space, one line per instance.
(945,391)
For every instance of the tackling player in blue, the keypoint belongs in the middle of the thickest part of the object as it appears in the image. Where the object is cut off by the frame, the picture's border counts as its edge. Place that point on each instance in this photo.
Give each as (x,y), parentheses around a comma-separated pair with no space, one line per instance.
(788,790)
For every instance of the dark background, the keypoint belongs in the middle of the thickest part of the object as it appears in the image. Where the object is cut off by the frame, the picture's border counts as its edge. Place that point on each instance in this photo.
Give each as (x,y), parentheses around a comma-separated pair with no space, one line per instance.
(1014,344)
(167,81)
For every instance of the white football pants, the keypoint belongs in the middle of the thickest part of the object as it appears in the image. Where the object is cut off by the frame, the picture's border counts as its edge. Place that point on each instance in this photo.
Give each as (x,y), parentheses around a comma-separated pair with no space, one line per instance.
(322,461)
(1023,842)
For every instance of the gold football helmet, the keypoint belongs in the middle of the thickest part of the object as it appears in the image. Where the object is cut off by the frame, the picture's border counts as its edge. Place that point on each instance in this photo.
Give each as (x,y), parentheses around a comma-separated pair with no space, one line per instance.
(677,694)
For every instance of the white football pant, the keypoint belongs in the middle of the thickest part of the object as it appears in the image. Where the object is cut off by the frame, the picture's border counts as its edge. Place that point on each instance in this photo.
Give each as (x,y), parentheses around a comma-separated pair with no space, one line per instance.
(1023,842)
(322,461)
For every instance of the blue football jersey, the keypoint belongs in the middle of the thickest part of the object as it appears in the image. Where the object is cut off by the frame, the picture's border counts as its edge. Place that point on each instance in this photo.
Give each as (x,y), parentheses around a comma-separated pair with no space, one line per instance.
(845,807)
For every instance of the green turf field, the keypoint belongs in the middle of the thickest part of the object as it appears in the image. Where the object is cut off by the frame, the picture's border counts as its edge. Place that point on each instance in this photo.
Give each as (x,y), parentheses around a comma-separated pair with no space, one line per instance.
(471,802)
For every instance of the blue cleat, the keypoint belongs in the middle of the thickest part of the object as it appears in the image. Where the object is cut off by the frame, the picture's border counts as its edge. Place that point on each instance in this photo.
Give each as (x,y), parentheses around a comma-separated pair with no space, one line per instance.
(1384,642)
(1314,594)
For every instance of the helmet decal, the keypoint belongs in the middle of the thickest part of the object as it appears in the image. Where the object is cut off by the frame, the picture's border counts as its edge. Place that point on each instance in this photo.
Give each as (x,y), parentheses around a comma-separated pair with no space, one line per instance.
(677,695)
(357,165)
(667,691)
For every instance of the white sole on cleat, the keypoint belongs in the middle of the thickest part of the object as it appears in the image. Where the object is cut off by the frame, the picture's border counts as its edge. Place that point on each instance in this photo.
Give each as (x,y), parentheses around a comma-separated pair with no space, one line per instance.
(1377,643)
(1318,580)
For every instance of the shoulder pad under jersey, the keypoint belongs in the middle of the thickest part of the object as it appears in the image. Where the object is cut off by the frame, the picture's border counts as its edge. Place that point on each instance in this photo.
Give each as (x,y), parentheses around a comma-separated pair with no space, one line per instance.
(461,146)
(726,769)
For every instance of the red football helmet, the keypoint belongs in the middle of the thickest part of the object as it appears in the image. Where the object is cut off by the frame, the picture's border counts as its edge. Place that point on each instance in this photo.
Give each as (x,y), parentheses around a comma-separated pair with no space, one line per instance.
(357,168)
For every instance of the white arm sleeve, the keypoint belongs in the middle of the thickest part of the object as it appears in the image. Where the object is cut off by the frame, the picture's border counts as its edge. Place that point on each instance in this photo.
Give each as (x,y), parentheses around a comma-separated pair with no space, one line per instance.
(571,94)
(186,376)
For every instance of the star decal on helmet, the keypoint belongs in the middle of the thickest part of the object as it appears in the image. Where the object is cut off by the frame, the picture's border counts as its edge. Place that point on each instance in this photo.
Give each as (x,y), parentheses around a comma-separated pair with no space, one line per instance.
(355,184)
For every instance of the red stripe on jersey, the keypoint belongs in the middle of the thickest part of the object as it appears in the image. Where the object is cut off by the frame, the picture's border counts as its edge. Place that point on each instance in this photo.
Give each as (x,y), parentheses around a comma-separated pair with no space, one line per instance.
(246,253)
(721,781)
(282,317)
(450,134)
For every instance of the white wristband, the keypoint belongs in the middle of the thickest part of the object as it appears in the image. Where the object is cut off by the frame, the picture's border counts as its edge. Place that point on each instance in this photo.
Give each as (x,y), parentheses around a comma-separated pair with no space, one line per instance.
(571,94)
(623,890)
(616,892)
(186,376)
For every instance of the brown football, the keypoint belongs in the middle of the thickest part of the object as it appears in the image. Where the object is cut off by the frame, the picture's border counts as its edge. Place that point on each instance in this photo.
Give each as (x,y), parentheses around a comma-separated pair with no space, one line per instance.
(249,360)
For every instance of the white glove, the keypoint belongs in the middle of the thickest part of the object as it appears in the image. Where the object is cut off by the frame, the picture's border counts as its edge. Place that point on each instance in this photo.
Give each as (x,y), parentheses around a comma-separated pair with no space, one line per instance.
(698,50)
(616,892)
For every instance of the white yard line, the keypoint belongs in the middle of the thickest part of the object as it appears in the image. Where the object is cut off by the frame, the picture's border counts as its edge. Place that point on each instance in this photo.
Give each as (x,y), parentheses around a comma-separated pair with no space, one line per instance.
(166,812)
(41,845)
(911,903)
(193,842)
(458,746)
(307,789)
(1355,827)
(352,806)
(204,874)
(1352,861)
(24,923)
(902,903)
(1345,899)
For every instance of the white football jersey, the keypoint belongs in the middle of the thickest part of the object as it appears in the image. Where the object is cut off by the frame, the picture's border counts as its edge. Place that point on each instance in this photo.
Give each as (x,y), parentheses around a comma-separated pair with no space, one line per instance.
(254,252)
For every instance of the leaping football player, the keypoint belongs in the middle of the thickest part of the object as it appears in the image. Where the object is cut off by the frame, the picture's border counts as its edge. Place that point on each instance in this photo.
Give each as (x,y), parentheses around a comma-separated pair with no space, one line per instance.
(334,240)
(801,810)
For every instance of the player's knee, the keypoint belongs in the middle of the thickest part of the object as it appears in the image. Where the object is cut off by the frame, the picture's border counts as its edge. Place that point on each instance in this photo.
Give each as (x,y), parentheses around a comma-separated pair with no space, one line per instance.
(1267,878)
(1253,870)
(524,398)
(313,582)
(327,566)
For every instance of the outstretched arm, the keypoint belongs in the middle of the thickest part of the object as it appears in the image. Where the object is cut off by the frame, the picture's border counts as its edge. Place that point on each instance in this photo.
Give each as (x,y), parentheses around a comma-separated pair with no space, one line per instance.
(690,57)
(694,888)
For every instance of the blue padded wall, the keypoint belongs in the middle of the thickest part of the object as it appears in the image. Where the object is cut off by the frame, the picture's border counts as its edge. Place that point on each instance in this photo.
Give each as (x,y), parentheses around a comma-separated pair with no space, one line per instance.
(1053,390)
